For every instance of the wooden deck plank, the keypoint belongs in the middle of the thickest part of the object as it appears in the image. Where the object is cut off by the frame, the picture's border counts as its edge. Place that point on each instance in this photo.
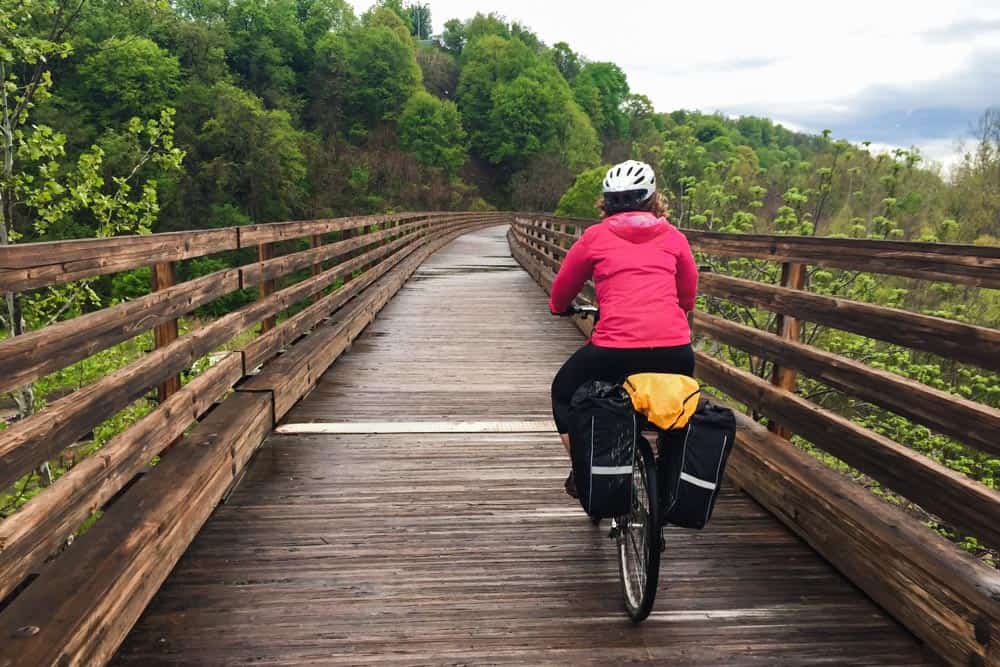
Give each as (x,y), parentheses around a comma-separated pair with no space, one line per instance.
(461,548)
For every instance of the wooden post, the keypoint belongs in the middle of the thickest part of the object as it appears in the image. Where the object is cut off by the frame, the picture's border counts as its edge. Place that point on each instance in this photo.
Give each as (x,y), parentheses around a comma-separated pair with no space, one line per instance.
(265,251)
(793,276)
(166,333)
(315,241)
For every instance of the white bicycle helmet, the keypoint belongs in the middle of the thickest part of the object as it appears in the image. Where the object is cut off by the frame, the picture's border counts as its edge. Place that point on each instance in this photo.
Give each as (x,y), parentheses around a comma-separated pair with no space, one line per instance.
(627,186)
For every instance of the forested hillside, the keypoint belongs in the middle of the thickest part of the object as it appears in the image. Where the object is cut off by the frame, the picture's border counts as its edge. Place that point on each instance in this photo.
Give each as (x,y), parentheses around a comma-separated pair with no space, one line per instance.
(225,113)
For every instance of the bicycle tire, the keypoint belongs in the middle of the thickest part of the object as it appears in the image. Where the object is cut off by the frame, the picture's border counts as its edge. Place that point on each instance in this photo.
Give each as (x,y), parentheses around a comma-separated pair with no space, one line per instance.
(639,538)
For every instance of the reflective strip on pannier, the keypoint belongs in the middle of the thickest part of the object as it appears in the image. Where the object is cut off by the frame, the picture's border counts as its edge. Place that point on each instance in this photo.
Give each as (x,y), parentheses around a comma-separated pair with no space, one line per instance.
(691,465)
(703,483)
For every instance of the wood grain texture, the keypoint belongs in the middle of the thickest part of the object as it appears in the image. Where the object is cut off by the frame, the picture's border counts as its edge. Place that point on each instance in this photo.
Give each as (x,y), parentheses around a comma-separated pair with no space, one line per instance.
(32,265)
(947,597)
(967,421)
(37,353)
(945,262)
(41,436)
(959,500)
(33,534)
(463,548)
(162,278)
(967,343)
(85,604)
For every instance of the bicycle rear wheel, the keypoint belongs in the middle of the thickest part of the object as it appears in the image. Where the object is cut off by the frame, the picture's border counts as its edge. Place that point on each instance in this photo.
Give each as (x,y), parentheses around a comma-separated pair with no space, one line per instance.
(639,538)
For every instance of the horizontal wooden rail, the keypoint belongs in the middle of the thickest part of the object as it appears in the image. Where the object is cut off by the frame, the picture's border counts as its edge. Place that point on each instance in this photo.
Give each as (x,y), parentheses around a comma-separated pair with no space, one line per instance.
(26,358)
(954,340)
(945,597)
(30,536)
(945,262)
(37,353)
(951,263)
(32,265)
(958,500)
(967,421)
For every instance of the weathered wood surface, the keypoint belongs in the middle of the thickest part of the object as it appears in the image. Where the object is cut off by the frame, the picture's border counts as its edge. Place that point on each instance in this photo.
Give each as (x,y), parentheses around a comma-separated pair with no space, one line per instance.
(463,548)
(37,353)
(32,535)
(166,333)
(967,421)
(946,596)
(957,499)
(41,436)
(793,276)
(91,608)
(31,265)
(950,339)
(78,612)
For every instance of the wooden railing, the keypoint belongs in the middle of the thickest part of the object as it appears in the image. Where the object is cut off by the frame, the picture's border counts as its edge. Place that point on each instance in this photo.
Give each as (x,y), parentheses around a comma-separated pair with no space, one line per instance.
(943,595)
(73,603)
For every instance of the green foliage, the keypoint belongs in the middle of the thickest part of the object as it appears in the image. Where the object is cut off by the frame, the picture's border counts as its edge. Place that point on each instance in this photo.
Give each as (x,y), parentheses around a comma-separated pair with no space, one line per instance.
(453,36)
(420,17)
(580,201)
(567,61)
(382,73)
(431,130)
(601,90)
(130,285)
(515,105)
(128,78)
(251,155)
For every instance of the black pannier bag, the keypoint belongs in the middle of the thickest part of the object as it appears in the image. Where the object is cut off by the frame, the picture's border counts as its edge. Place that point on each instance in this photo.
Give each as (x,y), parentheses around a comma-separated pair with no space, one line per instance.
(691,464)
(602,445)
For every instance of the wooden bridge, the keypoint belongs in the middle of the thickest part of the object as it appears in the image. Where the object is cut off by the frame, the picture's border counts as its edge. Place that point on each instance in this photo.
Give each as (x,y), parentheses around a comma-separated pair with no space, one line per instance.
(371,475)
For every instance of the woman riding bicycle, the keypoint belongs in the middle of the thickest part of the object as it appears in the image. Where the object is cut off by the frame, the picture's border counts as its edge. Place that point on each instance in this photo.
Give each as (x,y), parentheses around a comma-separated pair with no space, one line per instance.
(646,281)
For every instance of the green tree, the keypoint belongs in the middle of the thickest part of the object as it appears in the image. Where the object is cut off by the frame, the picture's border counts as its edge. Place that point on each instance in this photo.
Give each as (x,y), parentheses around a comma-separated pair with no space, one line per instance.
(581,198)
(34,177)
(601,89)
(382,73)
(431,129)
(483,25)
(420,17)
(515,105)
(268,41)
(567,61)
(250,155)
(454,36)
(128,77)
(388,16)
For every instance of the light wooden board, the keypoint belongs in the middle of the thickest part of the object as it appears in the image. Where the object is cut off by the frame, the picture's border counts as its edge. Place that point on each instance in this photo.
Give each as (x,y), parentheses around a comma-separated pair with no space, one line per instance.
(313,428)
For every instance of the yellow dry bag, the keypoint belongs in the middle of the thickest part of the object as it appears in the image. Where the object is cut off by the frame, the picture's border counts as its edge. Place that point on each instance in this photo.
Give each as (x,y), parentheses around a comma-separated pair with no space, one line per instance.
(666,400)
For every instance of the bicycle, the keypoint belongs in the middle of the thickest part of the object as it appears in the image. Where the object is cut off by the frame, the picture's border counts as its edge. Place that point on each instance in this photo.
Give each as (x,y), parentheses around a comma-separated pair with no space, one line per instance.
(639,534)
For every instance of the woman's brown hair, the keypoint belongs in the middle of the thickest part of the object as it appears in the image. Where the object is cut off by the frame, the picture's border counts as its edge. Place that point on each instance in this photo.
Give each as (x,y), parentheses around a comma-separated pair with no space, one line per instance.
(656,204)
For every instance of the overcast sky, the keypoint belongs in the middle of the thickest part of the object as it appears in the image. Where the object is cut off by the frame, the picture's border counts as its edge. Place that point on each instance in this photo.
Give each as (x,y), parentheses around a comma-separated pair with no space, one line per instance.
(890,71)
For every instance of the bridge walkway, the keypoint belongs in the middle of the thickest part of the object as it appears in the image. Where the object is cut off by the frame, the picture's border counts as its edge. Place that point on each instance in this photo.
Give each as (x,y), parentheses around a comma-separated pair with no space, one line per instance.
(349,544)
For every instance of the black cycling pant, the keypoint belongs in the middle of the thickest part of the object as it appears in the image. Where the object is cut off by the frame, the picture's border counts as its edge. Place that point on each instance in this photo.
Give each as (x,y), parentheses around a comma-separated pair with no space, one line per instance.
(613,364)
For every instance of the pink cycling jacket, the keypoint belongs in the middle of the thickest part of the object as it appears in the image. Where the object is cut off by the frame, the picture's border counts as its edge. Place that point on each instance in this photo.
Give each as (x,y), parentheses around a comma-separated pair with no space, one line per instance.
(645,276)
